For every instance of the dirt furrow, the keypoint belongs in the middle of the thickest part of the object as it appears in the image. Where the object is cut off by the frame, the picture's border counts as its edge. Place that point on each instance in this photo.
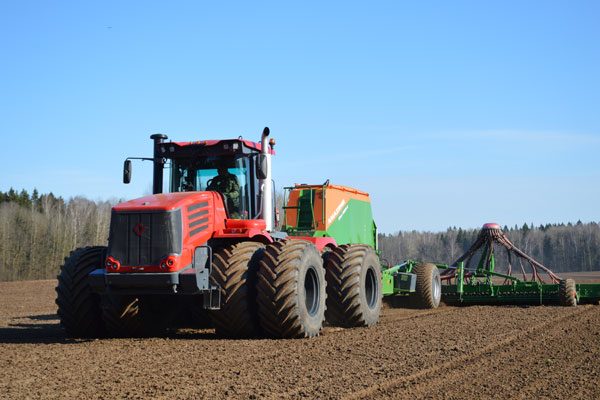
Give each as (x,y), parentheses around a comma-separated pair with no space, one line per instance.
(526,364)
(410,353)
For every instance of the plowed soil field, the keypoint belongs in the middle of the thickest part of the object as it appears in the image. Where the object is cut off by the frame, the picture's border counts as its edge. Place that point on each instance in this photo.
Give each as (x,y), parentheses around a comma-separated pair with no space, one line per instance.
(504,352)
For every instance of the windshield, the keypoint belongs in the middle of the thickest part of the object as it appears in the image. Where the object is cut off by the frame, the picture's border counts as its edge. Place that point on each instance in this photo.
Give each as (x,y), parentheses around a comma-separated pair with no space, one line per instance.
(228,175)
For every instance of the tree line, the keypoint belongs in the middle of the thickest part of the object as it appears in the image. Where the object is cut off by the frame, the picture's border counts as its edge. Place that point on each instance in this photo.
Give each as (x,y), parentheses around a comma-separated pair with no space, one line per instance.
(38,231)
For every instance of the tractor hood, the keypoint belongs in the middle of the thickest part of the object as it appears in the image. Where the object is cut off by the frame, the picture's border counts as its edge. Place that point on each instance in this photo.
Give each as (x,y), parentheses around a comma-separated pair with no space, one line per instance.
(164,201)
(160,233)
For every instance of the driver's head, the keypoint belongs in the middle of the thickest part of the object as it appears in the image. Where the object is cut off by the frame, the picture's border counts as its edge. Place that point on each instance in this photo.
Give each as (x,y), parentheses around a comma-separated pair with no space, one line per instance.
(222,170)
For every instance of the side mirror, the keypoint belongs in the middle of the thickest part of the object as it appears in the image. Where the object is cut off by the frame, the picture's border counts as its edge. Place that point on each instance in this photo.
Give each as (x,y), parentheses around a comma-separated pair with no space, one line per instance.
(127,171)
(261,166)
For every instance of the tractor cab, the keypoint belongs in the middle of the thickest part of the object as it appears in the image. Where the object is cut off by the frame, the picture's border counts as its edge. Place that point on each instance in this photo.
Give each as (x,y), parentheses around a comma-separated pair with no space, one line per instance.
(230,167)
(238,169)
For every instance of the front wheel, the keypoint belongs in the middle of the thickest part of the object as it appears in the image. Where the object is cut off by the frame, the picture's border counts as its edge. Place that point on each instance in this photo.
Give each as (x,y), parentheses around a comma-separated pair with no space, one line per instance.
(79,308)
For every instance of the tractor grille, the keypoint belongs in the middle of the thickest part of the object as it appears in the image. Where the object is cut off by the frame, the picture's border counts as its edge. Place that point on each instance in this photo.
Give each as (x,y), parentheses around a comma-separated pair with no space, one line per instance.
(144,238)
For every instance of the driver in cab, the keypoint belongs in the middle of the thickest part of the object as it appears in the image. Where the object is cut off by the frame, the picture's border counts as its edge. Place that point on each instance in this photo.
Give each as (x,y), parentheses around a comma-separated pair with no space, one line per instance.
(227,184)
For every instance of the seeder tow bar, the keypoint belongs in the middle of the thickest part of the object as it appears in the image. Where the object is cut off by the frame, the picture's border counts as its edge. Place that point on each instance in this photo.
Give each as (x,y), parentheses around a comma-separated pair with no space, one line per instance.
(462,284)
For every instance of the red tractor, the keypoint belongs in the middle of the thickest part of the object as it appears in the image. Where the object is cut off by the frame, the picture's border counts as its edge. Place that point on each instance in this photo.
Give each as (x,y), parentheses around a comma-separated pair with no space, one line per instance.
(207,252)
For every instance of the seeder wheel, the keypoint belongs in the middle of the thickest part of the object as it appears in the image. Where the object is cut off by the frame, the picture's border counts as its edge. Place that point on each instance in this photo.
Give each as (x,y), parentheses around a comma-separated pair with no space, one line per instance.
(429,286)
(567,293)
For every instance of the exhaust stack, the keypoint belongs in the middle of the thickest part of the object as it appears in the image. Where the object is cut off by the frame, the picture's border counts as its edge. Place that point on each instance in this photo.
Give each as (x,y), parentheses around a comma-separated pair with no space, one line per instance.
(157,180)
(266,184)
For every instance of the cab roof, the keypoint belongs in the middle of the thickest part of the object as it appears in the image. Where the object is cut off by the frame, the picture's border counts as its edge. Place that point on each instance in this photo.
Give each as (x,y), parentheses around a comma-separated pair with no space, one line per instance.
(227,145)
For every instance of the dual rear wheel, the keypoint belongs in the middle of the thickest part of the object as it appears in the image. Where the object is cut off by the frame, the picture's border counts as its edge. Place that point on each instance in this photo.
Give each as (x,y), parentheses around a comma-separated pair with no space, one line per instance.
(285,290)
(353,286)
(291,290)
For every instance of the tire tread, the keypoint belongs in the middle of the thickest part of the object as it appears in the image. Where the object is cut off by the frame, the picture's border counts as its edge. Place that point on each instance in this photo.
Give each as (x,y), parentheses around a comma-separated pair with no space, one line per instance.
(277,290)
(78,307)
(234,270)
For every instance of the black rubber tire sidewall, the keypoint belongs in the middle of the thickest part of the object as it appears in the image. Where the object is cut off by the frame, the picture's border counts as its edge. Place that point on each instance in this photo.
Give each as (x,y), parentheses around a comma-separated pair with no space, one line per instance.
(424,296)
(234,270)
(370,313)
(567,293)
(349,270)
(79,308)
(121,315)
(281,296)
(311,261)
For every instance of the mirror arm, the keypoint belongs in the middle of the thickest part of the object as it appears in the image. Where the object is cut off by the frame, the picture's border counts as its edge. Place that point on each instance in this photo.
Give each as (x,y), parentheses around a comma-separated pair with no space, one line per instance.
(127,166)
(160,160)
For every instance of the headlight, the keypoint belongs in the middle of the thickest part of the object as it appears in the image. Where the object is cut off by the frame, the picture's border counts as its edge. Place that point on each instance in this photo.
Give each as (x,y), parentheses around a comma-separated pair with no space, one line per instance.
(112,264)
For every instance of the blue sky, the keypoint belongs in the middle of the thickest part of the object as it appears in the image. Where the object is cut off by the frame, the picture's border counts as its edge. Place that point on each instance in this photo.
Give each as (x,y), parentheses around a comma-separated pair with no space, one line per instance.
(447,113)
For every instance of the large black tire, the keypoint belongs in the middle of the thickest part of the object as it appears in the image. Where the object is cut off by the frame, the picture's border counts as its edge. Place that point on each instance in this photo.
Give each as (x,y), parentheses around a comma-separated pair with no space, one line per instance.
(130,316)
(78,307)
(121,315)
(429,286)
(234,269)
(291,290)
(354,294)
(567,293)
